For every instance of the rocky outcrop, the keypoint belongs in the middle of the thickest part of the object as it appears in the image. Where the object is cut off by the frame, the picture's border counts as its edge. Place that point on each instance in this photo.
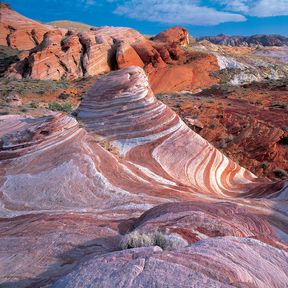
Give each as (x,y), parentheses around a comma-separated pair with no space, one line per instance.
(99,50)
(127,56)
(58,56)
(20,32)
(70,187)
(174,35)
(193,75)
(254,40)
(205,264)
(248,123)
(92,52)
(69,55)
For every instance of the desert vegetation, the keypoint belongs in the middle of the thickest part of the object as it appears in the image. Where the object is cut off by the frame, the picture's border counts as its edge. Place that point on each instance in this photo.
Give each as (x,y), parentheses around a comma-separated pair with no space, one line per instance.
(65,107)
(165,241)
(28,86)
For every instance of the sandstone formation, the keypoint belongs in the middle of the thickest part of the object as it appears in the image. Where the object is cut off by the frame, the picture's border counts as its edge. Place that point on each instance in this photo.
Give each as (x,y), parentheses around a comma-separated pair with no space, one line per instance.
(174,35)
(170,61)
(247,123)
(191,76)
(18,31)
(67,55)
(69,187)
(57,53)
(71,55)
(199,265)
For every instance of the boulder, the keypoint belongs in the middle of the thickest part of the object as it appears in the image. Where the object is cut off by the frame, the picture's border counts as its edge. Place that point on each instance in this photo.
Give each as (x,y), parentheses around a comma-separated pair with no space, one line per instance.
(177,35)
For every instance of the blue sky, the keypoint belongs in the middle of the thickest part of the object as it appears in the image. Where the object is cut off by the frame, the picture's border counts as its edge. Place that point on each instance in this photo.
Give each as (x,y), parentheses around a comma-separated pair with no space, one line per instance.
(211,17)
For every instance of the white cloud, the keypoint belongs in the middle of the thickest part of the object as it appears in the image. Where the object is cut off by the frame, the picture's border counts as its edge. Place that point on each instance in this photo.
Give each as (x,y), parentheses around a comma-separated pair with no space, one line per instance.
(189,12)
(266,8)
(176,12)
(258,8)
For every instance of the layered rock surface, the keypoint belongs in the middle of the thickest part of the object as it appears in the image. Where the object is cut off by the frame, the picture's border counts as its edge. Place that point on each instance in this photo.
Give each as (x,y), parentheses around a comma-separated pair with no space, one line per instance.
(195,266)
(70,187)
(18,31)
(247,123)
(171,62)
(71,55)
(57,53)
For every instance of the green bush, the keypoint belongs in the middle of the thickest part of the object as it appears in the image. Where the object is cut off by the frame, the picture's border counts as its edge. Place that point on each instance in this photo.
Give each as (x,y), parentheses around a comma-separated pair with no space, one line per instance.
(24,109)
(64,96)
(165,241)
(280,173)
(55,106)
(264,165)
(34,105)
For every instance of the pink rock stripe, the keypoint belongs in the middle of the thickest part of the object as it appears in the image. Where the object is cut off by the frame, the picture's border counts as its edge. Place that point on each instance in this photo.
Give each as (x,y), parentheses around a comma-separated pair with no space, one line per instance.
(70,186)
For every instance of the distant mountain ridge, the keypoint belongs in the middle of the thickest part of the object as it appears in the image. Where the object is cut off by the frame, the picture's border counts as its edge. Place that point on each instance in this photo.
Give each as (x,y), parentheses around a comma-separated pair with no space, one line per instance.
(254,40)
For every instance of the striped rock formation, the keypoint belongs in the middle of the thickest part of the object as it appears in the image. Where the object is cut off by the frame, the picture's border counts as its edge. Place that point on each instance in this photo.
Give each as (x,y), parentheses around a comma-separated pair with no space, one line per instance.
(138,126)
(70,188)
(69,55)
(58,53)
(199,265)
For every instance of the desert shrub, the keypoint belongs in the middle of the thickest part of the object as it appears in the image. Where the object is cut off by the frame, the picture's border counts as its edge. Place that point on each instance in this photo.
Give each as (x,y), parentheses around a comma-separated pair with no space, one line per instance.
(136,239)
(34,105)
(280,173)
(64,96)
(30,86)
(277,105)
(194,55)
(24,109)
(246,126)
(66,107)
(229,138)
(283,141)
(223,145)
(264,165)
(213,125)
